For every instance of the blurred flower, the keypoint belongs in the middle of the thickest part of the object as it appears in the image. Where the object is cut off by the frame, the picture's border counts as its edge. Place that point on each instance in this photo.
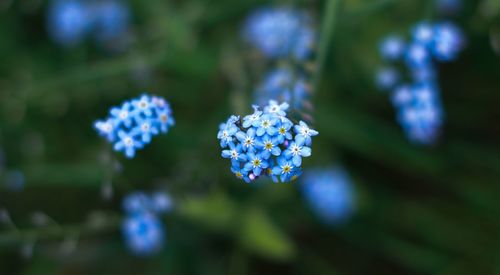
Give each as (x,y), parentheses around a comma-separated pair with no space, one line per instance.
(140,202)
(387,78)
(281,84)
(329,193)
(132,125)
(111,20)
(448,42)
(144,233)
(68,21)
(419,109)
(280,32)
(392,47)
(449,7)
(265,143)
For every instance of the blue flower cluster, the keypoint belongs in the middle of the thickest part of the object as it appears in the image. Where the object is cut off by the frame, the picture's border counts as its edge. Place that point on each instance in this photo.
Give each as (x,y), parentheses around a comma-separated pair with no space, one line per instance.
(280,32)
(132,125)
(416,94)
(69,22)
(330,194)
(143,231)
(282,85)
(266,143)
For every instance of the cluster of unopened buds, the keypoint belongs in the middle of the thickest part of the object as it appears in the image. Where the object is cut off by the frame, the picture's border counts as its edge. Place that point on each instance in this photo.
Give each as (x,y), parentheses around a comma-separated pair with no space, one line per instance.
(132,125)
(266,143)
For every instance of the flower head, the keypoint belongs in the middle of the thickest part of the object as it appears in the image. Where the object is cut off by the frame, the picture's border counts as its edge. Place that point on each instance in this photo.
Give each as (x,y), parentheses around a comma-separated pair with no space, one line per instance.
(266,145)
(330,194)
(132,125)
(280,32)
(144,233)
(68,21)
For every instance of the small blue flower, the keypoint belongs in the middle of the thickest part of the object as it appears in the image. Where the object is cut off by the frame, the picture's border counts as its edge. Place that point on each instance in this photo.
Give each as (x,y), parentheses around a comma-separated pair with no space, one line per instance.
(144,233)
(143,105)
(106,128)
(423,33)
(256,163)
(304,133)
(127,144)
(111,20)
(296,151)
(123,115)
(417,55)
(136,202)
(234,153)
(330,194)
(227,131)
(240,173)
(146,128)
(280,32)
(275,108)
(68,22)
(269,146)
(248,139)
(392,47)
(284,130)
(285,169)
(253,119)
(161,202)
(387,78)
(266,126)
(448,42)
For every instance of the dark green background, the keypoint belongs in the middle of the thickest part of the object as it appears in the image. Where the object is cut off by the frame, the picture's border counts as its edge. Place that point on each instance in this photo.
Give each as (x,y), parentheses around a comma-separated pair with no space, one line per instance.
(420,210)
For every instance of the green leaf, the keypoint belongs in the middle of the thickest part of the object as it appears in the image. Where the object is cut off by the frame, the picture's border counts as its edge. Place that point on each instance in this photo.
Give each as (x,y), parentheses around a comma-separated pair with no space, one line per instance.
(261,236)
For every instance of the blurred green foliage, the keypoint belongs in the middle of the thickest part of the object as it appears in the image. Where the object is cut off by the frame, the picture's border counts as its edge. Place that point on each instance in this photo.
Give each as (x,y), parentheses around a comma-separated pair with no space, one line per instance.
(420,210)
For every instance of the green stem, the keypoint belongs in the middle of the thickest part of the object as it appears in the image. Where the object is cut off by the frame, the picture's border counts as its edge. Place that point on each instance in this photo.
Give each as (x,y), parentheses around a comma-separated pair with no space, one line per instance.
(327,31)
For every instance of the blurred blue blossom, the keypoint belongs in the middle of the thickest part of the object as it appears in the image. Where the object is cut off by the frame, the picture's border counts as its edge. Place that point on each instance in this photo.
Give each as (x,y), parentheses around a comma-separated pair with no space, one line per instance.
(139,202)
(392,47)
(416,96)
(280,32)
(132,125)
(266,143)
(144,233)
(449,7)
(68,21)
(111,20)
(329,193)
(281,84)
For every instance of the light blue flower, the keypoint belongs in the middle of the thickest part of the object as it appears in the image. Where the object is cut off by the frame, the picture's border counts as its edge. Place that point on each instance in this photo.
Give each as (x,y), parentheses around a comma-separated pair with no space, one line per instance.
(128,144)
(266,126)
(392,47)
(111,20)
(296,151)
(423,33)
(402,96)
(256,163)
(240,173)
(227,131)
(387,78)
(143,105)
(330,194)
(277,109)
(448,42)
(235,153)
(417,55)
(248,139)
(68,22)
(123,115)
(144,233)
(253,119)
(280,32)
(284,130)
(106,128)
(161,202)
(146,128)
(269,146)
(136,202)
(304,133)
(284,170)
